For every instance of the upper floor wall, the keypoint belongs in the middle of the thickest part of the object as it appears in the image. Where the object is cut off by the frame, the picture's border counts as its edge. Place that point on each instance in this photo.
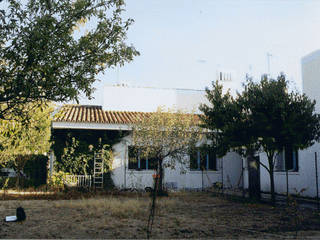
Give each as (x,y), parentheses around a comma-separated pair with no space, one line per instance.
(310,70)
(142,99)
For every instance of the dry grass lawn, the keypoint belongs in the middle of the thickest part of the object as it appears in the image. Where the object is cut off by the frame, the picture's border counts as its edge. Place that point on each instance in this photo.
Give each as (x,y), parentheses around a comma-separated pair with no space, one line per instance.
(182,215)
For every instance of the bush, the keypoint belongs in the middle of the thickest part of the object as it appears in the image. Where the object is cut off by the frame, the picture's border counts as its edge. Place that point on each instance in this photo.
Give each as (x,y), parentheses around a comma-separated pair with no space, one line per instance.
(36,170)
(57,179)
(7,182)
(11,182)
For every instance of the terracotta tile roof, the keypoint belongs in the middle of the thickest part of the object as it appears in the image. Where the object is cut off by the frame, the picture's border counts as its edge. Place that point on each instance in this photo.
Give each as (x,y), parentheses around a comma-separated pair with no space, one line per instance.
(95,114)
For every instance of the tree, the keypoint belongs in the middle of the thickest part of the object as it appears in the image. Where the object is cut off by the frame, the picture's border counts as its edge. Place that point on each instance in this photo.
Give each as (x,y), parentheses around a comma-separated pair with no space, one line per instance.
(264,117)
(44,57)
(167,137)
(18,141)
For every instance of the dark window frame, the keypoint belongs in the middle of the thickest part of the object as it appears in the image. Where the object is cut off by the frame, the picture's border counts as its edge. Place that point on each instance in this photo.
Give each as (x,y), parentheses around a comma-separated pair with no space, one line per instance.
(200,159)
(289,158)
(143,164)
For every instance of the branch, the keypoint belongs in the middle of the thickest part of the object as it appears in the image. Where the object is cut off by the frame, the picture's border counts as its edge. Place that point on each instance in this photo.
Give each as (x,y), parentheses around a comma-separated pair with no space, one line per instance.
(263,165)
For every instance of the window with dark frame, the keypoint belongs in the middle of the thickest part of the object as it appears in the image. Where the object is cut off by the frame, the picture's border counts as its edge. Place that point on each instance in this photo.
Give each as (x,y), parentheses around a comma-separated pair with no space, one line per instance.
(203,159)
(138,162)
(133,153)
(287,160)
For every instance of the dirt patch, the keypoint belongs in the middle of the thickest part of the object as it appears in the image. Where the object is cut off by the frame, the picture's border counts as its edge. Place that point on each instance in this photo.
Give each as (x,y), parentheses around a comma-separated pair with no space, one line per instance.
(182,215)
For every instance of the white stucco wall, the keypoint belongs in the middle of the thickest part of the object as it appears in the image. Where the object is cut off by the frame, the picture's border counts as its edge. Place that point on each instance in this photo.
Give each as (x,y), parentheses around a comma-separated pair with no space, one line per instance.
(124,98)
(189,179)
(304,178)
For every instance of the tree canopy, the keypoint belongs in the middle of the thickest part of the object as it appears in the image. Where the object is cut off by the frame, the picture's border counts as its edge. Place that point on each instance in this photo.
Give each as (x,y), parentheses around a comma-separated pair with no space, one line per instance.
(166,136)
(266,116)
(21,142)
(44,57)
(17,138)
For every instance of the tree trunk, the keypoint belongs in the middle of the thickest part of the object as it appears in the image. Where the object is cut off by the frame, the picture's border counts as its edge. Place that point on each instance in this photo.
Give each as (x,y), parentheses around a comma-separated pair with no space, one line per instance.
(271,174)
(161,176)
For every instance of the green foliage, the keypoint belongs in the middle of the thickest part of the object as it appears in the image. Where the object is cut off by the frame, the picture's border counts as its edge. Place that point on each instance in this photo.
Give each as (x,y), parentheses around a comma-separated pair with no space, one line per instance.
(74,149)
(7,182)
(20,140)
(53,49)
(228,121)
(32,137)
(280,118)
(57,179)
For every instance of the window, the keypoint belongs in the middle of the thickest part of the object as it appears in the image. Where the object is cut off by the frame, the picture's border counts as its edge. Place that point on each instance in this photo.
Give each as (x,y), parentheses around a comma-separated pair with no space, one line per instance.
(133,158)
(287,160)
(137,162)
(203,159)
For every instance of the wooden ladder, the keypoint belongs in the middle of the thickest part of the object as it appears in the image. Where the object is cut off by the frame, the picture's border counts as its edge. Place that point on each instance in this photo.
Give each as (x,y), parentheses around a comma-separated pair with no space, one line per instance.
(98,170)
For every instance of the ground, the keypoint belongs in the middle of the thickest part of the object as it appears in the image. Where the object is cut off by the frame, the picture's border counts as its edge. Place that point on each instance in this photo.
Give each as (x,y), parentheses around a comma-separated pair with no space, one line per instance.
(181,215)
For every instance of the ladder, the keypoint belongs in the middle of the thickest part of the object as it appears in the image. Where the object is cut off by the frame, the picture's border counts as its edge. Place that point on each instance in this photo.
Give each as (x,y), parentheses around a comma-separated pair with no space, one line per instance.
(98,170)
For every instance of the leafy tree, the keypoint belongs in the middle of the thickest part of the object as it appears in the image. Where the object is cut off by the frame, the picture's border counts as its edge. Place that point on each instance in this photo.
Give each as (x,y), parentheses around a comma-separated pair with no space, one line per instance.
(19,141)
(166,136)
(43,55)
(264,117)
(280,118)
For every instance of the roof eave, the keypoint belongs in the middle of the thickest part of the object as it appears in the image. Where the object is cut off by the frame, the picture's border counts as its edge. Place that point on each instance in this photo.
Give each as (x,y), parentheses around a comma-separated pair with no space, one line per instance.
(90,126)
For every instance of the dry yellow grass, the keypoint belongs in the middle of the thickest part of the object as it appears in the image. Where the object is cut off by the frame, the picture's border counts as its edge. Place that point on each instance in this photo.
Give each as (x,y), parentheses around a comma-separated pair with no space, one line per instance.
(122,207)
(182,215)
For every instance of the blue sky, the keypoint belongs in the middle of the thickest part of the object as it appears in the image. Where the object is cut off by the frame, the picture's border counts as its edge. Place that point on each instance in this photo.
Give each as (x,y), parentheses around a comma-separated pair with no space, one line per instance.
(184,42)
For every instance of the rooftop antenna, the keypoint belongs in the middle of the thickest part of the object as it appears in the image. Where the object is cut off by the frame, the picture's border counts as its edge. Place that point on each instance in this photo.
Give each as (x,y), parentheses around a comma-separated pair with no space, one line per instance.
(269,55)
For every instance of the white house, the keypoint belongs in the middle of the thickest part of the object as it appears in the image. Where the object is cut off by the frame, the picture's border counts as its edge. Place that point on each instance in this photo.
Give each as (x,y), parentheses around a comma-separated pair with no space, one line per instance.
(122,107)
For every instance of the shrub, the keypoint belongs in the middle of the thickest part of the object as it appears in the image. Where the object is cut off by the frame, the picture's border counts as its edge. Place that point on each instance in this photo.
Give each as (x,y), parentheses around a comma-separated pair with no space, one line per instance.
(57,179)
(36,170)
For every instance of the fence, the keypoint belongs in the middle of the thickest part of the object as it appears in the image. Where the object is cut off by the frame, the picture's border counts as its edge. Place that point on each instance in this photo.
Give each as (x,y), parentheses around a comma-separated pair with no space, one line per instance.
(78,180)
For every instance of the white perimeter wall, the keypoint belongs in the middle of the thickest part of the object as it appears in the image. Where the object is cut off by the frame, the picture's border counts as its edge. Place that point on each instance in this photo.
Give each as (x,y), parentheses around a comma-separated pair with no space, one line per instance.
(125,178)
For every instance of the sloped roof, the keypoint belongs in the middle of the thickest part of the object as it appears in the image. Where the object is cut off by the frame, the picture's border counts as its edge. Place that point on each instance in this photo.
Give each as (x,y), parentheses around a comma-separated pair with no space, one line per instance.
(95,114)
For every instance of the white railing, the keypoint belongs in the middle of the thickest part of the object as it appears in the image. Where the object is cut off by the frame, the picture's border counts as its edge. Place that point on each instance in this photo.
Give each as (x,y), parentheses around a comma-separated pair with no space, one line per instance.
(78,180)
